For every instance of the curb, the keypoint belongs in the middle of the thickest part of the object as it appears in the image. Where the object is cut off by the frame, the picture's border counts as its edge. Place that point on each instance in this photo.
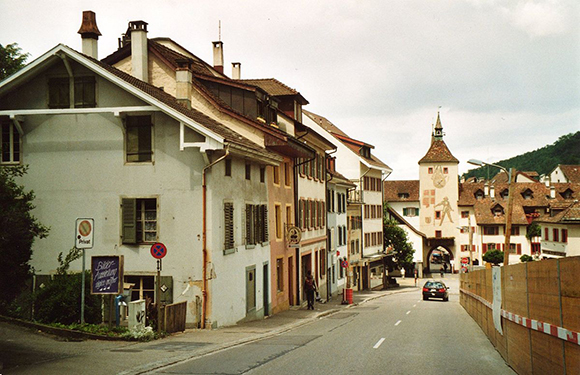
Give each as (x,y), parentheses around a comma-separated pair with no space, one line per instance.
(62,332)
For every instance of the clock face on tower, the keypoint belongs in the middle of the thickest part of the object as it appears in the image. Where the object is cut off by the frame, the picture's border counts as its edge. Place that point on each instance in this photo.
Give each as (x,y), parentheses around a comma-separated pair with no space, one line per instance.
(439,178)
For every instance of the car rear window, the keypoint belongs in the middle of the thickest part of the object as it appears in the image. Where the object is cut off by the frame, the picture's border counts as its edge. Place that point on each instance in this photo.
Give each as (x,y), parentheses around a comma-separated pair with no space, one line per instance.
(434,285)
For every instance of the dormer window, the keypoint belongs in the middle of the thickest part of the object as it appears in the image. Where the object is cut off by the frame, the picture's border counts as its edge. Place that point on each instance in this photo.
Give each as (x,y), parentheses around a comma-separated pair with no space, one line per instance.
(365,152)
(528,194)
(403,195)
(504,193)
(567,194)
(497,210)
(297,111)
(479,194)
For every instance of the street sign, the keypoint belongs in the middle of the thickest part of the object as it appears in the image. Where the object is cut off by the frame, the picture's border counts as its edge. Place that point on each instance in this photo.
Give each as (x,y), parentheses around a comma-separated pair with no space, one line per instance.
(344,264)
(84,234)
(294,235)
(158,250)
(464,260)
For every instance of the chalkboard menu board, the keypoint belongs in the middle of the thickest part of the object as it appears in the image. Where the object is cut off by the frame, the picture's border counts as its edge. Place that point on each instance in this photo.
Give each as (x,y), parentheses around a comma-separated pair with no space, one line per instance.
(107,274)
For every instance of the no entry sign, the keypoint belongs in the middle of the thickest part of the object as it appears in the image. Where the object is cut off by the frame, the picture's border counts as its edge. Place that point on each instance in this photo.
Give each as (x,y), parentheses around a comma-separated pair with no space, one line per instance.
(158,250)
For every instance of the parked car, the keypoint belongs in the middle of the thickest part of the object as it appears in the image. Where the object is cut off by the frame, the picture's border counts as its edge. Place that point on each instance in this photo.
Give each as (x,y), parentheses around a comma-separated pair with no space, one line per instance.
(435,289)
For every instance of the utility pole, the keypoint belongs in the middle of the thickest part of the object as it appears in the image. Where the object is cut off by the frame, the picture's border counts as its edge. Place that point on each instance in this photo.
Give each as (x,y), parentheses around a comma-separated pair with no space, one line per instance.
(508,222)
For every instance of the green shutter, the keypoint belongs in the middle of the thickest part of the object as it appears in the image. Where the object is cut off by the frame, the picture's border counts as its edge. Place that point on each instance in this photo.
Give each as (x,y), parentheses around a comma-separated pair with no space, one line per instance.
(129,217)
(405,212)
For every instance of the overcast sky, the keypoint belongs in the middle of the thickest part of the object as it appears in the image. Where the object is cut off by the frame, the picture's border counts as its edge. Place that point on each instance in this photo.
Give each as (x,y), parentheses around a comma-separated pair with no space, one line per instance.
(505,73)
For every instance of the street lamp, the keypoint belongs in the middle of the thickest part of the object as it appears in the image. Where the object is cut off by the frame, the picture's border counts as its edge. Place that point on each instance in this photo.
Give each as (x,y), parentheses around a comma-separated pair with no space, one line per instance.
(508,223)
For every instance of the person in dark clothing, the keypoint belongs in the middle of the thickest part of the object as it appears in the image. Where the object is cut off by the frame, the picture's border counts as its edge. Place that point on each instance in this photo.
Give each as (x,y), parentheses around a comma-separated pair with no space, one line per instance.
(310,288)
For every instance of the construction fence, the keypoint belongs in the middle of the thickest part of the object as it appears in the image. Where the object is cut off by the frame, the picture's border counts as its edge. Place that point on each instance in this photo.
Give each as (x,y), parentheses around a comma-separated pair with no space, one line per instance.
(540,313)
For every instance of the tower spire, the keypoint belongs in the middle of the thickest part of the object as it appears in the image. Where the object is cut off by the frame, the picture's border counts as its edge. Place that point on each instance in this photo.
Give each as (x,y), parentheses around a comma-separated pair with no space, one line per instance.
(438,131)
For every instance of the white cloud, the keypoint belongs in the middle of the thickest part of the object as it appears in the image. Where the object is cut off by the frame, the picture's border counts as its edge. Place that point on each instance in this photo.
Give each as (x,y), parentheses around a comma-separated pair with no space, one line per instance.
(541,18)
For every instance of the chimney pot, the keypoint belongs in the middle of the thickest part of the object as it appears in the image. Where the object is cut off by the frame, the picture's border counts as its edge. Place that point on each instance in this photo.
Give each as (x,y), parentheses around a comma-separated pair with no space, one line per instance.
(236,70)
(183,79)
(90,34)
(218,56)
(552,192)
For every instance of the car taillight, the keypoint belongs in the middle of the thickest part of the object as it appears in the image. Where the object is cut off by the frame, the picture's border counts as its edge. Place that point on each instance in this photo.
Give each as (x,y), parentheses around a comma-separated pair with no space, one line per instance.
(442,290)
(425,289)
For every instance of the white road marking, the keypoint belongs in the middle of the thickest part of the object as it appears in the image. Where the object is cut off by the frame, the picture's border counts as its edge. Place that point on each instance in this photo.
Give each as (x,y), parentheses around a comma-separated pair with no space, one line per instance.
(379,343)
(398,322)
(414,305)
(408,312)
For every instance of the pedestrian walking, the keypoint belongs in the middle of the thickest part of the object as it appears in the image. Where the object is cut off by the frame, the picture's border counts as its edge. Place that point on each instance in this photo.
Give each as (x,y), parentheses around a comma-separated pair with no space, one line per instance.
(403,272)
(310,288)
(416,274)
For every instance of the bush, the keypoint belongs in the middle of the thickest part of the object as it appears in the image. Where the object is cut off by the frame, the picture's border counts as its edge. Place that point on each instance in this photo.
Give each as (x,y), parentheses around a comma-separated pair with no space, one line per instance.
(526,258)
(60,301)
(493,256)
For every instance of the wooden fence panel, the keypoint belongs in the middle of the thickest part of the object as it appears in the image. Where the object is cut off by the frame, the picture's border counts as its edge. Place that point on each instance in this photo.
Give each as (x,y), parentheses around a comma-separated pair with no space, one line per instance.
(175,315)
(518,347)
(547,354)
(571,309)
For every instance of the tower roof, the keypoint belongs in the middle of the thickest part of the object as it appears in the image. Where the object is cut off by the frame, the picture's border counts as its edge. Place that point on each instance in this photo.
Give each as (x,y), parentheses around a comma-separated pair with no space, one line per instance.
(438,152)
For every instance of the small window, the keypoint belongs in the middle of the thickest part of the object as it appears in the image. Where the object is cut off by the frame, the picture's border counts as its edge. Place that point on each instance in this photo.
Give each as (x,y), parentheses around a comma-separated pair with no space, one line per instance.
(464,214)
(278,217)
(139,218)
(59,92)
(565,235)
(445,170)
(430,170)
(262,174)
(287,173)
(248,171)
(479,194)
(276,172)
(10,144)
(280,274)
(403,195)
(139,139)
(555,235)
(228,167)
(438,234)
(437,215)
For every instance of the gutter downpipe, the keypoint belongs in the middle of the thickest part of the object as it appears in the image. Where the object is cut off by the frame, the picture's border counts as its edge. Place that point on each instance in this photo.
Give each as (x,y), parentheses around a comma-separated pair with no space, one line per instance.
(204,248)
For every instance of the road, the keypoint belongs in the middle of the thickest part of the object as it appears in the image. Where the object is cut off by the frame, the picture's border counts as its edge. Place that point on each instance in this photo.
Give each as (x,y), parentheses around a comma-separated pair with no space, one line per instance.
(397,334)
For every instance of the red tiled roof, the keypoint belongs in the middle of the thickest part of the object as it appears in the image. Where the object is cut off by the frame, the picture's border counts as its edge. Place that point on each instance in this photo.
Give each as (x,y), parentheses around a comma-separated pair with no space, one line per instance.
(228,134)
(394,189)
(274,88)
(325,123)
(438,153)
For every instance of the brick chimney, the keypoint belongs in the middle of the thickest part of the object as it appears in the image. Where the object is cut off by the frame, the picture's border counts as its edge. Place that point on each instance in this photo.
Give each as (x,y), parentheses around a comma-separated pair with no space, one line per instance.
(183,78)
(139,57)
(218,56)
(236,70)
(90,34)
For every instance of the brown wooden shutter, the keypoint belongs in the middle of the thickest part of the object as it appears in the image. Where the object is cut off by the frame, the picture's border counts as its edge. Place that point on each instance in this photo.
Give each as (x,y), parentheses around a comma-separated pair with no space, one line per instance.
(129,217)
(228,225)
(265,220)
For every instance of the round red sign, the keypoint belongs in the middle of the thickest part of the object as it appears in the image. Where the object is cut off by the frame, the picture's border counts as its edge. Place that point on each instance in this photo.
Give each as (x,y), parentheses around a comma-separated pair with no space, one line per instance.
(158,250)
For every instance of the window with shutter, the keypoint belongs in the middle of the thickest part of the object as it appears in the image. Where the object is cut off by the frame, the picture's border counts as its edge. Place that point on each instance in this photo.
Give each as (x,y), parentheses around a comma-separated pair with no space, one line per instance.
(129,227)
(249,225)
(264,216)
(484,248)
(228,227)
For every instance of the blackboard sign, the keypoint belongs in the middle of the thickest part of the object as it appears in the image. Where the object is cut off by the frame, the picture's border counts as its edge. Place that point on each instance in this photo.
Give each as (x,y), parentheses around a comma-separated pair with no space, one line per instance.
(106,274)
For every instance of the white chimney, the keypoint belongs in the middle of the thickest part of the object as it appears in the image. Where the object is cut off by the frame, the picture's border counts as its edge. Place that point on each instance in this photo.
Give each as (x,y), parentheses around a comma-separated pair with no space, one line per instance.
(90,34)
(236,70)
(218,56)
(139,58)
(552,192)
(492,192)
(183,78)
(486,189)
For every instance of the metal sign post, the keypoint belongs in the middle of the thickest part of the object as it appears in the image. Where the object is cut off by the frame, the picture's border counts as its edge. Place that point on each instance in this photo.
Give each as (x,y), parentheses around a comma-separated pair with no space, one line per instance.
(84,240)
(158,251)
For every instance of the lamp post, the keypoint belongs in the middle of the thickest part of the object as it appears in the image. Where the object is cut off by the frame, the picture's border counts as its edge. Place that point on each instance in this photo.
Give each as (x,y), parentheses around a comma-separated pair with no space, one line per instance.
(510,203)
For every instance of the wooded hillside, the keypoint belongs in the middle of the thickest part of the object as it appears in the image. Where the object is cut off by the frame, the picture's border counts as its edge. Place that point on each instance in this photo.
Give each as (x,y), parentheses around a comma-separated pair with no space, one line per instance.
(566,150)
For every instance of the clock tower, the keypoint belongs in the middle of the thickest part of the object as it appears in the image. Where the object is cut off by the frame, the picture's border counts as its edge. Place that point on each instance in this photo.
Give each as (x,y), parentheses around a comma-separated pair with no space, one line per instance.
(438,194)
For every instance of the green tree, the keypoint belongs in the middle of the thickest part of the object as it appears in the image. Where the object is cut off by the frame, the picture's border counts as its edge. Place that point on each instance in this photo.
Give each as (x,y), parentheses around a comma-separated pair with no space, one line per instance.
(526,258)
(11,59)
(396,237)
(18,230)
(493,256)
(60,299)
(534,230)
